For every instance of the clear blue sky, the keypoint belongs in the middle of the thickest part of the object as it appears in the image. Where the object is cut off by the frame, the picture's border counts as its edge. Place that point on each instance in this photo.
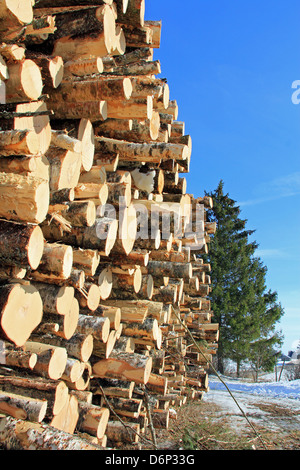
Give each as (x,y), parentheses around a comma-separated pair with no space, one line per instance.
(230,66)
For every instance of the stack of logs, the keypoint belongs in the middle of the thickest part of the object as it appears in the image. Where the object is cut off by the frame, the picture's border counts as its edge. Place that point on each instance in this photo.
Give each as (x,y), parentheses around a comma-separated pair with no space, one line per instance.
(95,292)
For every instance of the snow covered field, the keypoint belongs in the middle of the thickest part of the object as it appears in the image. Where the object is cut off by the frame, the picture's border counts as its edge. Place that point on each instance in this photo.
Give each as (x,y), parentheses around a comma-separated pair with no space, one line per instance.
(273,405)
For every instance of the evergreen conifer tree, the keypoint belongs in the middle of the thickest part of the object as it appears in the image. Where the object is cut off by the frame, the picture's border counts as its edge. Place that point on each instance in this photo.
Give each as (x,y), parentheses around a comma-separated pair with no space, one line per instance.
(242,307)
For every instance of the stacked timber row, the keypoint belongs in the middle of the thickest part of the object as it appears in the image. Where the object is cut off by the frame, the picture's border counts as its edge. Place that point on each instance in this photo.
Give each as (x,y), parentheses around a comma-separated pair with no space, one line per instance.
(100,243)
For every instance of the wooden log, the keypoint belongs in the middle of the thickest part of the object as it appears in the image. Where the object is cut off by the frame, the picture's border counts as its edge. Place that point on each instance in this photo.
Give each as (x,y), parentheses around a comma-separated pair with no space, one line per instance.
(51,360)
(170,269)
(88,297)
(117,432)
(73,370)
(11,356)
(133,108)
(101,236)
(25,82)
(56,261)
(103,350)
(66,324)
(100,44)
(135,13)
(33,116)
(82,384)
(87,260)
(113,313)
(93,419)
(21,312)
(93,89)
(98,327)
(24,198)
(90,110)
(21,435)
(21,245)
(52,69)
(65,168)
(160,419)
(126,366)
(105,282)
(130,407)
(14,17)
(66,420)
(80,213)
(19,142)
(143,152)
(20,407)
(83,67)
(53,391)
(56,299)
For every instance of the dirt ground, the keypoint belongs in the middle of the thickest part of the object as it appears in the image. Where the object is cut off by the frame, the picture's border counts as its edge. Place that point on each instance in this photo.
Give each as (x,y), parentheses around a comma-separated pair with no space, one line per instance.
(216,423)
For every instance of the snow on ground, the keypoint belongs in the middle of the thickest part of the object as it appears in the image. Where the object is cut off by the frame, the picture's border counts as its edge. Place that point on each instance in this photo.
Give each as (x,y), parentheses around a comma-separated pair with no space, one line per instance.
(275,405)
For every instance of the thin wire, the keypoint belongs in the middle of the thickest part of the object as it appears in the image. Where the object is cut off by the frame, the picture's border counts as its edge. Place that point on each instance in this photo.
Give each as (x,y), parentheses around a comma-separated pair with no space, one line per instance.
(220,378)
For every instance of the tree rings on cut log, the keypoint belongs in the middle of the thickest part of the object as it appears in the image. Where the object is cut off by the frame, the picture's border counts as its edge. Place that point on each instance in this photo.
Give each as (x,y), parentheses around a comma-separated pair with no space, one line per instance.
(25,81)
(21,311)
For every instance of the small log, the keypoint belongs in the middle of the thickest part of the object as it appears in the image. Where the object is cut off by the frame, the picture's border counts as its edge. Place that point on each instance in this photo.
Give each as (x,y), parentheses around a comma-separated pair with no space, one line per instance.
(117,432)
(51,360)
(57,261)
(87,260)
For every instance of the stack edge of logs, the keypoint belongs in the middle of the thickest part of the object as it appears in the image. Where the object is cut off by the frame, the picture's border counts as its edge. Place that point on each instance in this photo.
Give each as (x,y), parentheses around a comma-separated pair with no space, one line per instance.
(95,291)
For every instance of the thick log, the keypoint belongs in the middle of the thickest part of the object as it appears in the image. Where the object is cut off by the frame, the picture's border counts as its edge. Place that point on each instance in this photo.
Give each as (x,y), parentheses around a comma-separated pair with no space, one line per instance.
(90,110)
(21,311)
(73,370)
(13,18)
(88,297)
(83,67)
(25,81)
(70,45)
(143,152)
(133,108)
(21,245)
(23,198)
(135,13)
(24,435)
(15,357)
(126,366)
(170,269)
(55,392)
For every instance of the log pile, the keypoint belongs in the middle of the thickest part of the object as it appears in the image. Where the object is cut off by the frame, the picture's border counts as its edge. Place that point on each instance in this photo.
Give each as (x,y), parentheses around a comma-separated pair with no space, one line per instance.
(100,243)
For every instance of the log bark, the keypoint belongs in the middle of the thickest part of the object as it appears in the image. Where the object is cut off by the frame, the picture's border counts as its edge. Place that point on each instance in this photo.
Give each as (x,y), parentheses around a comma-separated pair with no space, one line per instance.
(98,327)
(55,392)
(21,245)
(20,407)
(21,312)
(22,435)
(125,366)
(56,299)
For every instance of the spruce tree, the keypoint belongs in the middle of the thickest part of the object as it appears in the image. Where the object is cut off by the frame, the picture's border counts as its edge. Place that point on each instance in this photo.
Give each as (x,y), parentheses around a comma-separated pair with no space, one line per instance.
(239,299)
